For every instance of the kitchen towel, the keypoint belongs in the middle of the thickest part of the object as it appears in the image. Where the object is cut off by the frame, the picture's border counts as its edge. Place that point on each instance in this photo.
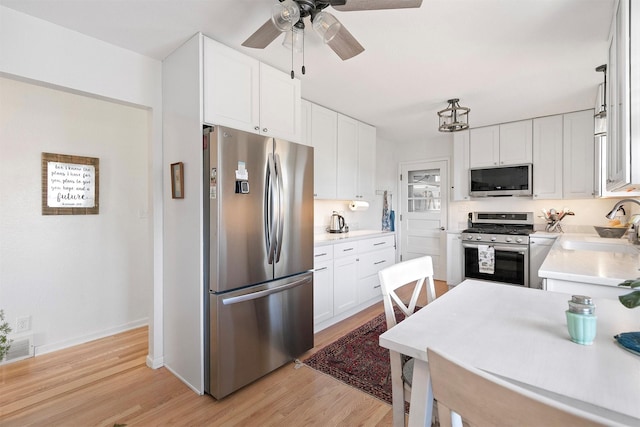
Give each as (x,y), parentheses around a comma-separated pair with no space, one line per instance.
(385,213)
(486,259)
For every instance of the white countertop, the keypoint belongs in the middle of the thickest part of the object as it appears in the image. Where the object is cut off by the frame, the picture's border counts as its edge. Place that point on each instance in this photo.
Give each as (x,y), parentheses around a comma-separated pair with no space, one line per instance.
(590,266)
(330,238)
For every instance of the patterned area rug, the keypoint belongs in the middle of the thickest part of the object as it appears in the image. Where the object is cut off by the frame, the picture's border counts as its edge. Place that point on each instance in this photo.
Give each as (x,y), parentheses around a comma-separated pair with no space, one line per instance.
(358,360)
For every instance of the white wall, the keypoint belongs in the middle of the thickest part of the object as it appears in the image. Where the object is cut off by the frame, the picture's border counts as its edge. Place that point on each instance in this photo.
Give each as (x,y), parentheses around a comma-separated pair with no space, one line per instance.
(77,276)
(35,50)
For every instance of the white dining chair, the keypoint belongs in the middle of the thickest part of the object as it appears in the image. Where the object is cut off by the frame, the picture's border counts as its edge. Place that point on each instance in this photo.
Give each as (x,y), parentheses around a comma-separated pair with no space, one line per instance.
(482,399)
(420,272)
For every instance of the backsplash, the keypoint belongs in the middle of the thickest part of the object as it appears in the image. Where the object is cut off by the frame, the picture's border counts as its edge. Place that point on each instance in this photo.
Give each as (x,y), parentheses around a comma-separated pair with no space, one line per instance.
(371,219)
(588,212)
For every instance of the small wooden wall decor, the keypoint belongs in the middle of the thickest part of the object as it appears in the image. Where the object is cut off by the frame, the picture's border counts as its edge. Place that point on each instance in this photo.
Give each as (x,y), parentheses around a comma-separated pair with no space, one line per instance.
(70,184)
(177,180)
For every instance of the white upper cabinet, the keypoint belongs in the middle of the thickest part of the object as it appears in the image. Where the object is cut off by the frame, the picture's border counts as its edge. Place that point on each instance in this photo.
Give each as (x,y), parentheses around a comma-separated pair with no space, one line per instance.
(279,104)
(366,161)
(305,123)
(578,162)
(505,144)
(356,159)
(484,146)
(547,157)
(622,167)
(242,93)
(347,166)
(460,170)
(324,136)
(516,140)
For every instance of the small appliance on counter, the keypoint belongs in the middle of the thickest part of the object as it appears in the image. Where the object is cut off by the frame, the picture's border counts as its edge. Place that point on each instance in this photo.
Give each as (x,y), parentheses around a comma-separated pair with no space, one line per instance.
(337,224)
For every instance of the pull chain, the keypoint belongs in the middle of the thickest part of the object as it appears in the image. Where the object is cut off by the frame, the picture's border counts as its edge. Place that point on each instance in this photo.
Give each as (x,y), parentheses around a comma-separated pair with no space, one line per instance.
(303,70)
(292,49)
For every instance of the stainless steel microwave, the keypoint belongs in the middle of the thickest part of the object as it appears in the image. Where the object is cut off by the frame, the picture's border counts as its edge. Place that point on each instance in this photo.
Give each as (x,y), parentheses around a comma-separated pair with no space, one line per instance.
(512,180)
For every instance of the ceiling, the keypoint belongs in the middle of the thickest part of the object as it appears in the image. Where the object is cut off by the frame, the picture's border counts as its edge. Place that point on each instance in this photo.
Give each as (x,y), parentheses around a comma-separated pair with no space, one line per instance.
(505,59)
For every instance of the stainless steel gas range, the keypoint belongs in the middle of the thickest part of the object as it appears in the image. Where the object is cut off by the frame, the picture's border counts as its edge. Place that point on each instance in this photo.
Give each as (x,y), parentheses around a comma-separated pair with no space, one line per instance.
(496,247)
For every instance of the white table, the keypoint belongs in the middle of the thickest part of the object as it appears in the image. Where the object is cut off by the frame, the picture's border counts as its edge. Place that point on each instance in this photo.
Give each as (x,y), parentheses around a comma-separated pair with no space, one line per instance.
(520,334)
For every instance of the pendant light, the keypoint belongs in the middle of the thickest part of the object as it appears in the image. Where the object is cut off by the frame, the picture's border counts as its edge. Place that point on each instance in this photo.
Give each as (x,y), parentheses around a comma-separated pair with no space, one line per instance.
(453,118)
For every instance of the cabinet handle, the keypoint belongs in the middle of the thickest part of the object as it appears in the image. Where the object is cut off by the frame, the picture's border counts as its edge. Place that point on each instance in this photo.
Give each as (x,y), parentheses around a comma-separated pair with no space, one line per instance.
(347,250)
(322,254)
(256,128)
(264,129)
(320,269)
(376,287)
(380,262)
(380,243)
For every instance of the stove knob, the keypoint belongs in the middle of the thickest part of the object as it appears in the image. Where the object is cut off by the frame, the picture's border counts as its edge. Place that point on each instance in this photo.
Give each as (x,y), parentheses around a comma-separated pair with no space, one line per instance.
(479,238)
(493,238)
(519,240)
(507,239)
(470,237)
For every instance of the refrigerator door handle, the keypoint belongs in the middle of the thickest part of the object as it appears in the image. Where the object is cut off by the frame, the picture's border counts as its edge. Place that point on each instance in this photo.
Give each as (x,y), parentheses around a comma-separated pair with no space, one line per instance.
(261,294)
(269,223)
(281,207)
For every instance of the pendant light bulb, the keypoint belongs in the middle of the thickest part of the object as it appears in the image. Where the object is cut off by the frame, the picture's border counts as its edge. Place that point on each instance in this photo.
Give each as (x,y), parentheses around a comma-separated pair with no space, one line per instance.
(293,39)
(285,14)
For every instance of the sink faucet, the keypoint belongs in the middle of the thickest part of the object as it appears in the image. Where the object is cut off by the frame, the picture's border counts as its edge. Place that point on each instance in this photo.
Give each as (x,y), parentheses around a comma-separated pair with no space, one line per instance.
(612,214)
(634,233)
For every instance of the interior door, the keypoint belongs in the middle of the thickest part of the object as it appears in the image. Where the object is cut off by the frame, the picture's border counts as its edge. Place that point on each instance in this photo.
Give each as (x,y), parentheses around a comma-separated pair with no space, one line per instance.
(423,198)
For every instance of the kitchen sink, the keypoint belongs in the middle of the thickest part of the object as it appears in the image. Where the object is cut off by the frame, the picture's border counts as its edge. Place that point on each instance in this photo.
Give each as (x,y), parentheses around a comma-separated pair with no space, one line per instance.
(596,244)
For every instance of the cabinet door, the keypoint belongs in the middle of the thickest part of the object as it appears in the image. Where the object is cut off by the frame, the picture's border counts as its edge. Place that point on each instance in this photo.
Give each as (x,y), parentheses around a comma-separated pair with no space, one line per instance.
(578,155)
(347,158)
(454,259)
(515,143)
(324,133)
(305,122)
(279,104)
(547,157)
(484,146)
(231,85)
(460,169)
(322,291)
(345,279)
(366,161)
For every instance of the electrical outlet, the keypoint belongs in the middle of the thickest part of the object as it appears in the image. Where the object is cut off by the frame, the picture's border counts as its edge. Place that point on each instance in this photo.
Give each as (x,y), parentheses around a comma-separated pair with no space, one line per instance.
(23,324)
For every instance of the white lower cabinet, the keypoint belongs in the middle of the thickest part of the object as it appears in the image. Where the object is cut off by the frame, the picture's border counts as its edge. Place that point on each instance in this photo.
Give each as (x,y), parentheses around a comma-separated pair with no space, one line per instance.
(346,277)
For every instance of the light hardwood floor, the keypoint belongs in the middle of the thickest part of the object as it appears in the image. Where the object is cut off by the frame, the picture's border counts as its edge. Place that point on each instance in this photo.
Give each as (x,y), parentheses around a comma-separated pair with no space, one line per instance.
(106,382)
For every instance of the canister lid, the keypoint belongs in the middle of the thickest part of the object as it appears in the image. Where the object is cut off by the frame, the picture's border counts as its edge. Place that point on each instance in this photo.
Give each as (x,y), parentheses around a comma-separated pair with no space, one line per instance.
(582,299)
(581,308)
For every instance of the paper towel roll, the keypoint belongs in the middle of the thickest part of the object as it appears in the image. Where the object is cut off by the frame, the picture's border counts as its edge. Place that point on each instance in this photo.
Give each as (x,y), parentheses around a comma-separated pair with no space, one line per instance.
(356,205)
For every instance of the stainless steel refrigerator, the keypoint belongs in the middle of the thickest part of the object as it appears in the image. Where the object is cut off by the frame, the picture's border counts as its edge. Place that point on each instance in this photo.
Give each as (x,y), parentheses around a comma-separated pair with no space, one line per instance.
(258,250)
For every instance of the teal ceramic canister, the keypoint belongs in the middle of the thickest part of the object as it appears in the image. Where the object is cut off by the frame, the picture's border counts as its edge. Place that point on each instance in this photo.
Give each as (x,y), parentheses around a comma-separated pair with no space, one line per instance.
(581,319)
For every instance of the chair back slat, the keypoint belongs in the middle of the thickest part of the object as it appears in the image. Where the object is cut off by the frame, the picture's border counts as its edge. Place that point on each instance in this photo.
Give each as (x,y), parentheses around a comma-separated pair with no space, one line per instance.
(418,271)
(482,399)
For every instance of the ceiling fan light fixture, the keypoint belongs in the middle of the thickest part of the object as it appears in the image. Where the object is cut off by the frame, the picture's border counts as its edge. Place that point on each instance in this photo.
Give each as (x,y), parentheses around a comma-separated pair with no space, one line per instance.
(326,26)
(285,14)
(454,118)
(295,38)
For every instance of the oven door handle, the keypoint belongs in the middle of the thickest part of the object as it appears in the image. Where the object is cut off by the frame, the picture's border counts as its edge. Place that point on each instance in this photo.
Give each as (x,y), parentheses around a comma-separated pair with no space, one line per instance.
(518,249)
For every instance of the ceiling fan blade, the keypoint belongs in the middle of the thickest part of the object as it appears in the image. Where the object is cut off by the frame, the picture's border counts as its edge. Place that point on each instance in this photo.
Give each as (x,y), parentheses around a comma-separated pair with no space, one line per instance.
(351,5)
(263,36)
(345,45)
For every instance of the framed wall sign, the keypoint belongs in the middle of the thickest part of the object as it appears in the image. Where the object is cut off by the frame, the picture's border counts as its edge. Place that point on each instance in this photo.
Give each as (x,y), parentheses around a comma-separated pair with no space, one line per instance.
(177,180)
(70,184)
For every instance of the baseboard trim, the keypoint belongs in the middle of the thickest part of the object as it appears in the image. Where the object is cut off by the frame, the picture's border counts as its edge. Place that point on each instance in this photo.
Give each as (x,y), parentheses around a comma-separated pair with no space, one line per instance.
(155,363)
(48,348)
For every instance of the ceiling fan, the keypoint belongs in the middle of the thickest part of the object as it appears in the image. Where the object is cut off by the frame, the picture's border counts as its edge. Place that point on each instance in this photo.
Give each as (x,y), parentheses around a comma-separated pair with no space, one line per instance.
(289,14)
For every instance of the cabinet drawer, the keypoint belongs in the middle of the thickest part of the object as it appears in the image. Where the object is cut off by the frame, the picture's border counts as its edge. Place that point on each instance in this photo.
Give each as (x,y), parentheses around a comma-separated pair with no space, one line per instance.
(345,249)
(322,253)
(370,263)
(378,243)
(368,288)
